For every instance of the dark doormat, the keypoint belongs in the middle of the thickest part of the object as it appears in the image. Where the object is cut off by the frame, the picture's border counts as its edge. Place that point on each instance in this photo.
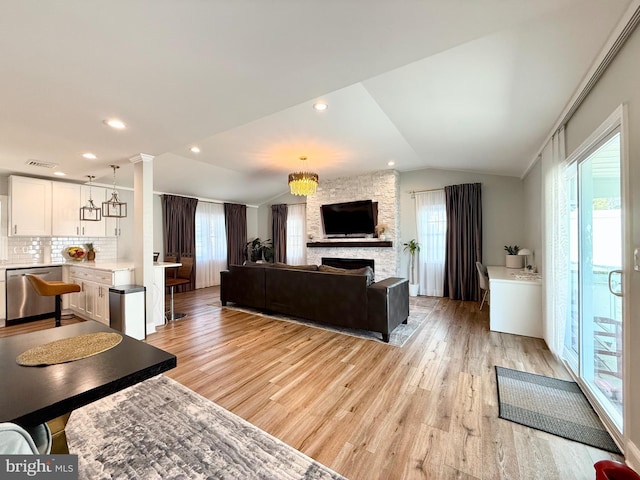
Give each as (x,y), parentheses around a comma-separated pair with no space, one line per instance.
(554,406)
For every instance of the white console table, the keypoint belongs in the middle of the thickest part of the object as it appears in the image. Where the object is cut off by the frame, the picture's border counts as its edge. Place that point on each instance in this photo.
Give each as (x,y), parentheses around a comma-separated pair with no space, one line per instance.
(515,302)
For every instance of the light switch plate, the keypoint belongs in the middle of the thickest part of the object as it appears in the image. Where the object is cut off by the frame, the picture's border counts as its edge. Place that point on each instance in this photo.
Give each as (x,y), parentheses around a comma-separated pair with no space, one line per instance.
(636,259)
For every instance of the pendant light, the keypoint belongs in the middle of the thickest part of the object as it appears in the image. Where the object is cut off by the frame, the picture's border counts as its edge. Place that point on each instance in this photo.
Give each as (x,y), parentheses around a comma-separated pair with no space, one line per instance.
(114,207)
(90,213)
(303,182)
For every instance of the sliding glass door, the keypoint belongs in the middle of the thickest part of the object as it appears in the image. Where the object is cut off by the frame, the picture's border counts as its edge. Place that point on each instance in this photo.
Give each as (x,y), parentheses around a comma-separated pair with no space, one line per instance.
(593,338)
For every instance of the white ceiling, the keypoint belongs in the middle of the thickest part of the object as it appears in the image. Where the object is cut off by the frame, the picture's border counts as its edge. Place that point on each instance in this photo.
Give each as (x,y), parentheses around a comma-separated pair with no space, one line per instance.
(434,83)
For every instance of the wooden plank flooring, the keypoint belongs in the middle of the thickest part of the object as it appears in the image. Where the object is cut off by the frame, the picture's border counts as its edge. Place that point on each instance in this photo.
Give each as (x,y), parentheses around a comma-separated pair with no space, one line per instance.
(368,410)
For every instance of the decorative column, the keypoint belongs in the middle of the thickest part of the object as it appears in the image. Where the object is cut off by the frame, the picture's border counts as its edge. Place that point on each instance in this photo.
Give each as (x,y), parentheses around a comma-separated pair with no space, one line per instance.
(143,237)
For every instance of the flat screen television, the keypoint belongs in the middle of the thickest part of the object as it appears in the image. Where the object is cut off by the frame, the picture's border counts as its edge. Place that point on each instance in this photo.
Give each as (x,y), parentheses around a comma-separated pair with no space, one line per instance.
(350,219)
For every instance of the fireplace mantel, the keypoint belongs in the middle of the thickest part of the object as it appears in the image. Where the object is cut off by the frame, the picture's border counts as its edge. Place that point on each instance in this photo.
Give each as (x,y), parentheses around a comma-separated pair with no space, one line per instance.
(360,244)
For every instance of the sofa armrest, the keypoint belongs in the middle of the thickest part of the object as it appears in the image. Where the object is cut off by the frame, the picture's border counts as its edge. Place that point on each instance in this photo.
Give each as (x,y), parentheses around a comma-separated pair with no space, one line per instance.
(388,305)
(243,285)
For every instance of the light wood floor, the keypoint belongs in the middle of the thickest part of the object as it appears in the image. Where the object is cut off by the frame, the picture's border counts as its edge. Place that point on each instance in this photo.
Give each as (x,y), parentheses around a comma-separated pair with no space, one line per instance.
(369,410)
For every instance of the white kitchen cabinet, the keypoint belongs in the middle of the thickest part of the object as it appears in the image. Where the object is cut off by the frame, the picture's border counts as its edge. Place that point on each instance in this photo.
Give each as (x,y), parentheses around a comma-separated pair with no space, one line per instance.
(29,206)
(65,217)
(113,226)
(67,200)
(92,302)
(3,294)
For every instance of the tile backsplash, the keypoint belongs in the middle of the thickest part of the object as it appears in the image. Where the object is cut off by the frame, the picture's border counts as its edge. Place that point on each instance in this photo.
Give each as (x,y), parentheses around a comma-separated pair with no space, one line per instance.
(35,249)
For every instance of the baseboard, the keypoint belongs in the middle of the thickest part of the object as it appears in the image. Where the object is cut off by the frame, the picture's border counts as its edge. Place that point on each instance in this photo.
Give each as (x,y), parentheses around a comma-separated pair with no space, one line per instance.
(632,456)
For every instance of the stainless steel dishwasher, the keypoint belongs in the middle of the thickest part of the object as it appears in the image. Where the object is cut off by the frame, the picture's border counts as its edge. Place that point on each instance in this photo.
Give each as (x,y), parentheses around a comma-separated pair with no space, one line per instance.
(23,303)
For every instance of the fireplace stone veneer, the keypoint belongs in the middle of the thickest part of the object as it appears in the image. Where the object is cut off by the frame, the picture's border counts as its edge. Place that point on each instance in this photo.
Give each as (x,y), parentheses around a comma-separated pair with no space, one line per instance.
(382,187)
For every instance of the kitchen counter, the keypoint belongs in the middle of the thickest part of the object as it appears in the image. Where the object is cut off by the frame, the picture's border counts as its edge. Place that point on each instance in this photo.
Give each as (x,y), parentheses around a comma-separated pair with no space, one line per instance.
(107,266)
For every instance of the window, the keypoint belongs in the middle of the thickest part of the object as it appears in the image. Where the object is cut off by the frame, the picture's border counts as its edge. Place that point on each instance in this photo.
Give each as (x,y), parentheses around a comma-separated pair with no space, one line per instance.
(296,234)
(211,244)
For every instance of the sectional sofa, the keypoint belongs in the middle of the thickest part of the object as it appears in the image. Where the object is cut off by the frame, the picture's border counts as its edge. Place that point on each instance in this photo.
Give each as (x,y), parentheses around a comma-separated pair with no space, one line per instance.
(334,296)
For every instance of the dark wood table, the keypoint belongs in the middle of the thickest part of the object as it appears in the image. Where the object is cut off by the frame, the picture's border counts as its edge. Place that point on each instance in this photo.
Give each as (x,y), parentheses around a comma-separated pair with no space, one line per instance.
(34,395)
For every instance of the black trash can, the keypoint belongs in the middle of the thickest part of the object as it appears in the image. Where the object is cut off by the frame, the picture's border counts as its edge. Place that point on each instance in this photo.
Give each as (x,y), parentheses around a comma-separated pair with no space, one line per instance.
(127,310)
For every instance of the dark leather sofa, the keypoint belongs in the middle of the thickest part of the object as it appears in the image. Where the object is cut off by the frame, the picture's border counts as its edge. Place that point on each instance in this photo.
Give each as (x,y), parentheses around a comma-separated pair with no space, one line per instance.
(338,299)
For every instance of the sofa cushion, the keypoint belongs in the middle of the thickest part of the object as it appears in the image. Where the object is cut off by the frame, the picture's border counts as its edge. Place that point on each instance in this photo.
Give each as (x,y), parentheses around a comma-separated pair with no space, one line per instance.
(313,268)
(366,271)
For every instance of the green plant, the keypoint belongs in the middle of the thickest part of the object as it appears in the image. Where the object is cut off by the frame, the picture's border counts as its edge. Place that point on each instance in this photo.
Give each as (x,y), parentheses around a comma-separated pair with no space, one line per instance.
(412,246)
(90,247)
(257,249)
(512,249)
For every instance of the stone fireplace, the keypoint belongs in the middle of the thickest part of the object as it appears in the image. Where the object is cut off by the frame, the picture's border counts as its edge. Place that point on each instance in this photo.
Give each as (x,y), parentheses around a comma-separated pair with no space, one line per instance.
(351,263)
(381,187)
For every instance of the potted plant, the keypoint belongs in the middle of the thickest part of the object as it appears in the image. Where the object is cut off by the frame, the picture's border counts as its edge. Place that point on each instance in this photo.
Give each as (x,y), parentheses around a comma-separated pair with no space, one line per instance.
(380,229)
(512,259)
(259,251)
(412,246)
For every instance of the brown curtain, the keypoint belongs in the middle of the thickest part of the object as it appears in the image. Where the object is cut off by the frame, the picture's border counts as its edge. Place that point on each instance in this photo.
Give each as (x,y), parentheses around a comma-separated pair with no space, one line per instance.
(179,215)
(235,219)
(279,222)
(464,241)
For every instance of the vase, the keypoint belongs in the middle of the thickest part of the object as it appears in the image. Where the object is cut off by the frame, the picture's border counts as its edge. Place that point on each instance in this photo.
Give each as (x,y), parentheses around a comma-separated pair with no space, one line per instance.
(91,256)
(514,261)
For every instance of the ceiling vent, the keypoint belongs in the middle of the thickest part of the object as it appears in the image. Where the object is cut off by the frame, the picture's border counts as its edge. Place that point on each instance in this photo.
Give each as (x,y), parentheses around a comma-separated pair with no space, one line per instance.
(41,164)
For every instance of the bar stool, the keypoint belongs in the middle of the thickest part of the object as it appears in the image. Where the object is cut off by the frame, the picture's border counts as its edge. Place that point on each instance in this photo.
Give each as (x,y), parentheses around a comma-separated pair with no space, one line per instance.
(182,277)
(50,288)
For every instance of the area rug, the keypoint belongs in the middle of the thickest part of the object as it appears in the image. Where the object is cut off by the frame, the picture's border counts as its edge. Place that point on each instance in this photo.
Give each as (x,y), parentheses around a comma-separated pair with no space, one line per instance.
(554,406)
(400,335)
(159,429)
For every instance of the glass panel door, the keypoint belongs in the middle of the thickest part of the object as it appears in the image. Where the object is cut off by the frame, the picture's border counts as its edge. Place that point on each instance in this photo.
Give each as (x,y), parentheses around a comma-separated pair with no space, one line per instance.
(593,340)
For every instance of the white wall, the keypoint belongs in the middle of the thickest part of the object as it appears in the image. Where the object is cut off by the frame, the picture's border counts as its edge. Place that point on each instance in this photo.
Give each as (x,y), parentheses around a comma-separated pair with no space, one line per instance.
(125,244)
(503,212)
(533,211)
(264,213)
(620,84)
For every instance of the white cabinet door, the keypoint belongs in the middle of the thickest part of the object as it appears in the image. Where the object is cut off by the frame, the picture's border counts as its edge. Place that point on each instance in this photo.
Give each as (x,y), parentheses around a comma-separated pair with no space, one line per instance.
(101,310)
(65,216)
(113,226)
(29,206)
(91,293)
(88,228)
(77,300)
(3,298)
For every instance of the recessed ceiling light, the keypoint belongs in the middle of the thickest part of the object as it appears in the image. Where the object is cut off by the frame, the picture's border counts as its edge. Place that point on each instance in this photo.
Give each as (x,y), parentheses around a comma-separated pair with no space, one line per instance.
(115,123)
(195,149)
(89,156)
(59,174)
(391,163)
(320,106)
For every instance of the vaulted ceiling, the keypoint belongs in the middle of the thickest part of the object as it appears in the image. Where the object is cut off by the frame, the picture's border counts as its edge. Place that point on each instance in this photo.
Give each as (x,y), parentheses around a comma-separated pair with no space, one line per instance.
(446,84)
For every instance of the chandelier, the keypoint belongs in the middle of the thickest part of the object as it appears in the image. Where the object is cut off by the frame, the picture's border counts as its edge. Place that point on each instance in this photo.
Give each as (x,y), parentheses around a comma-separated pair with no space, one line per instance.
(114,207)
(90,213)
(303,183)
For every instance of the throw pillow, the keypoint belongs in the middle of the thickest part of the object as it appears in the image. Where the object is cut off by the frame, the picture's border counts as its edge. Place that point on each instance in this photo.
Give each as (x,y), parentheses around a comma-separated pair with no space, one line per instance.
(366,271)
(296,267)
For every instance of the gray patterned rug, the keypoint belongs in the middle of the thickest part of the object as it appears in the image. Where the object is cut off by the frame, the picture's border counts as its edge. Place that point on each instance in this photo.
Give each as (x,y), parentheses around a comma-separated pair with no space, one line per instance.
(554,406)
(400,335)
(159,429)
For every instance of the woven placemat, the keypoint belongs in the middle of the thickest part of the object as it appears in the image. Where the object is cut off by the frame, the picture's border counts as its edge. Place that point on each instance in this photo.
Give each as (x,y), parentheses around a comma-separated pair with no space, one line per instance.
(69,349)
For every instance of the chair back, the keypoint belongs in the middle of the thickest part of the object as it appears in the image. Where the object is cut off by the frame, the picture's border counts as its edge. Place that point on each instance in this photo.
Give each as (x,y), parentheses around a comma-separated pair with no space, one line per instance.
(184,271)
(170,272)
(483,276)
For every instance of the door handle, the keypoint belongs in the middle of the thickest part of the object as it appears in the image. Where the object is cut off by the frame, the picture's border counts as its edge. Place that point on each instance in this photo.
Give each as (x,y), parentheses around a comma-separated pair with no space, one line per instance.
(617,293)
(15,229)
